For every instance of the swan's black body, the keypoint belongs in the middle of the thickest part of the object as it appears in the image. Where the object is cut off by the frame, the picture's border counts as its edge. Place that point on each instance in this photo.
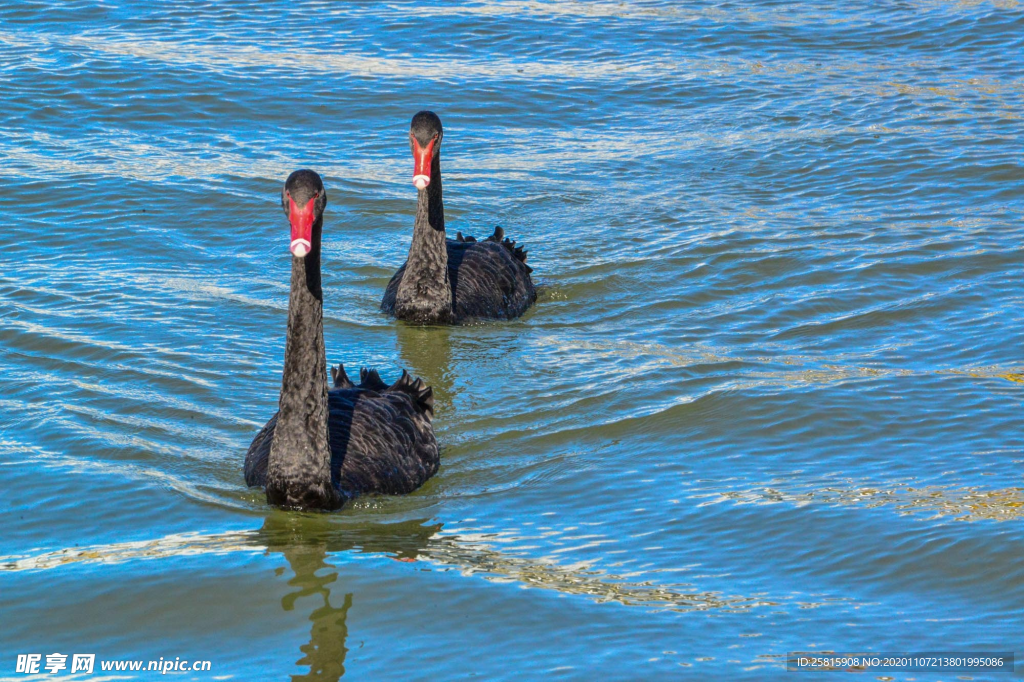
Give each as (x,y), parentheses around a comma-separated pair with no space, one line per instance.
(324,447)
(380,437)
(486,279)
(450,281)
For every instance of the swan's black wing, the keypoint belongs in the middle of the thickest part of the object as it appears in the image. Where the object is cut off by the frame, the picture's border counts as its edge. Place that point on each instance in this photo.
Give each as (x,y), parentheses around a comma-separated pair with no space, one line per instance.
(258,455)
(489,278)
(387,304)
(381,436)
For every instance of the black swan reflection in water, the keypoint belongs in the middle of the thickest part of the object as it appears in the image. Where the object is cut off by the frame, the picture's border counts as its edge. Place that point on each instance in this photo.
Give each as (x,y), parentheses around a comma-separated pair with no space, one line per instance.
(427,351)
(450,281)
(324,447)
(305,543)
(325,653)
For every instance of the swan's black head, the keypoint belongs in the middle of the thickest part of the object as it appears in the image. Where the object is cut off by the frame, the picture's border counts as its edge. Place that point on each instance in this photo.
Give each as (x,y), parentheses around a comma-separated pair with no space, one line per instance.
(303,199)
(425,139)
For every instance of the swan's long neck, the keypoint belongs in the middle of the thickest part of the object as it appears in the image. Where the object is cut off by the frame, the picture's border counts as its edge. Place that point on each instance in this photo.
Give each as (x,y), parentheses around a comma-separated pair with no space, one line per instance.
(425,294)
(299,468)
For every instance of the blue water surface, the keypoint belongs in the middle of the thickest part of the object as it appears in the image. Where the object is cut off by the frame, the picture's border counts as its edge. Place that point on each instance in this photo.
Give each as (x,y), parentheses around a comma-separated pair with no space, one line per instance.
(769,400)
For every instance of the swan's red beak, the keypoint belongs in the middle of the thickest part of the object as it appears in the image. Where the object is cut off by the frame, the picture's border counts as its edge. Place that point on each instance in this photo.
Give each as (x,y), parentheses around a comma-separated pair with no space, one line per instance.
(424,156)
(302,226)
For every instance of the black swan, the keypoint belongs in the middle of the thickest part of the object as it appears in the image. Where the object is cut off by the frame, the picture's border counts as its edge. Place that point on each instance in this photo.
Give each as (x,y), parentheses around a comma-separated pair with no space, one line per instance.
(449,281)
(324,447)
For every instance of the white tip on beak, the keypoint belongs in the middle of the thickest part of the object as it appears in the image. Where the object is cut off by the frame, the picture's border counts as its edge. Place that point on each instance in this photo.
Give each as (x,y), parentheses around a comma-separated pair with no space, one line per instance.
(421,181)
(300,247)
